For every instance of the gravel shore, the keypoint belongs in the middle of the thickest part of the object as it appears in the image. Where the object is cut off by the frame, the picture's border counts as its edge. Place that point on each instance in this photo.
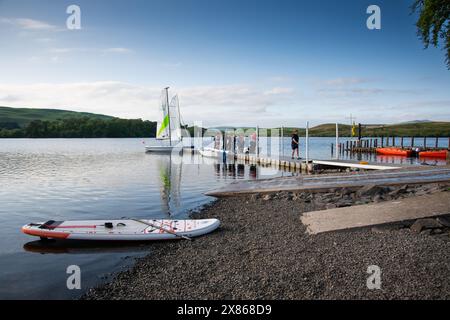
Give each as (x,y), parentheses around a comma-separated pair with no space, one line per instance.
(261,251)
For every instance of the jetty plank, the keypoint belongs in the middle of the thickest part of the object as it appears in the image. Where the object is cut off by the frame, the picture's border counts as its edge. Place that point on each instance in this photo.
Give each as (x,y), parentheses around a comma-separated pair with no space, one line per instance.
(425,206)
(413,175)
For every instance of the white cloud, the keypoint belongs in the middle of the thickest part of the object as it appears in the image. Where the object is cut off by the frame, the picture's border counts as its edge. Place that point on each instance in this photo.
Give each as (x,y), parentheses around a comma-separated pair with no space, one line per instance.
(29,24)
(238,105)
(279,90)
(345,81)
(118,50)
(213,105)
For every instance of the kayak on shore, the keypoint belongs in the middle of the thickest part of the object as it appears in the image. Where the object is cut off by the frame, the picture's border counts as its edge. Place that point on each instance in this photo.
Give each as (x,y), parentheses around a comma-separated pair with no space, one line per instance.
(394,151)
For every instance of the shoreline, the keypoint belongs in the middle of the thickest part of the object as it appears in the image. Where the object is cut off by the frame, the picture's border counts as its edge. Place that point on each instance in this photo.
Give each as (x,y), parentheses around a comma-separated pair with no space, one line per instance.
(261,251)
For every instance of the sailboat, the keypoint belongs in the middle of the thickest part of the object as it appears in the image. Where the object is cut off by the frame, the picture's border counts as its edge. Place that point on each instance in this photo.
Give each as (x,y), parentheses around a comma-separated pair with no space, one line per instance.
(168,130)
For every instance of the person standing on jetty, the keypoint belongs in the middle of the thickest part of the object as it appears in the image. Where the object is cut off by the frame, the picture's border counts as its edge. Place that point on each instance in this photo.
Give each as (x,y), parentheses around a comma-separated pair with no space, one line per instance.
(295,142)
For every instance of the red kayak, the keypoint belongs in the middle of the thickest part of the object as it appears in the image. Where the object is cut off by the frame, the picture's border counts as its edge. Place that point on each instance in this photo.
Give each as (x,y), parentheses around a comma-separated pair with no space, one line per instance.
(394,152)
(434,154)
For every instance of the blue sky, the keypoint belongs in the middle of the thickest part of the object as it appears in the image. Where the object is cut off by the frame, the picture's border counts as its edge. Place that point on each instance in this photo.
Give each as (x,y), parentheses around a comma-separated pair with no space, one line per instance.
(232,62)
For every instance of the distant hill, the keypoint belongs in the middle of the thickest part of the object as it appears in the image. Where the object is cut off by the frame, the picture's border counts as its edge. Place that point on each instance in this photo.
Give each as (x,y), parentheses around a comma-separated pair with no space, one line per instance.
(418,129)
(51,123)
(20,117)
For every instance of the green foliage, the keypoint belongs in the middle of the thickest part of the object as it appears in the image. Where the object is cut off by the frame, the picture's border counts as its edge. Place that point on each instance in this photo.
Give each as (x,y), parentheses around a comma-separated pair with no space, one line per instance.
(23,116)
(428,129)
(433,24)
(83,128)
(50,123)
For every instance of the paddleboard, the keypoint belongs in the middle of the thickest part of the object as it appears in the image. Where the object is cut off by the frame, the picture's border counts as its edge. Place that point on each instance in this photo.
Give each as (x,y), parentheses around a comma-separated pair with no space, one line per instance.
(121,230)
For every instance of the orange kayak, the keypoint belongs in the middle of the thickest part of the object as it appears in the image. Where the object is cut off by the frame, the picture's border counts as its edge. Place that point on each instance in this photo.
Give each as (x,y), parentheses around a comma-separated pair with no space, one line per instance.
(394,152)
(434,154)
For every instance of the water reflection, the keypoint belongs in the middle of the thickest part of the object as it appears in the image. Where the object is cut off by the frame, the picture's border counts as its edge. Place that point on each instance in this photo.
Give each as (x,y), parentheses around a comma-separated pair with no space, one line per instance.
(169,183)
(84,247)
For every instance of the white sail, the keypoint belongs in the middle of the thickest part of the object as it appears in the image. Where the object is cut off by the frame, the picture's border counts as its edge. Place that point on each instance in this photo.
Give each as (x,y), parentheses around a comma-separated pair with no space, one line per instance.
(175,122)
(163,125)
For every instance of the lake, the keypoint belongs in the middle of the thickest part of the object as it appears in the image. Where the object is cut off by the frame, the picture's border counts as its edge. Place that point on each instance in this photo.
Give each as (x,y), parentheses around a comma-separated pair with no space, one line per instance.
(61,179)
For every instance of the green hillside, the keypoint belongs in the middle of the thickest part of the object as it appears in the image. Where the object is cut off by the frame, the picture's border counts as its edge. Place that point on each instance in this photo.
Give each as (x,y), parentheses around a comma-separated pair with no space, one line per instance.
(21,117)
(429,129)
(49,123)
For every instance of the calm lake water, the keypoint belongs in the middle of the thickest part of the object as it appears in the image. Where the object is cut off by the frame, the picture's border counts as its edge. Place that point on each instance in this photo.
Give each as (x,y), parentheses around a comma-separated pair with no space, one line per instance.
(61,179)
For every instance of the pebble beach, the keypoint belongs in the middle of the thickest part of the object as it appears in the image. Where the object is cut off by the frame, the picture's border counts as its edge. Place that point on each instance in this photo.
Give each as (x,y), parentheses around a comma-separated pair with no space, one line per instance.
(262,251)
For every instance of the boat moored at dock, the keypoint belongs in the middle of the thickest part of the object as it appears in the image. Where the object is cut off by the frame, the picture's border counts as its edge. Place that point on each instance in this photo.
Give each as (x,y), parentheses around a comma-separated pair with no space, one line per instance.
(395,151)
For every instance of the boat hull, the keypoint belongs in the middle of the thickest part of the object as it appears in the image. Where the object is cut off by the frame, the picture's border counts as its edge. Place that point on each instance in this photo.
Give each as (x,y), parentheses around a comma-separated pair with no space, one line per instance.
(161,149)
(394,152)
(434,154)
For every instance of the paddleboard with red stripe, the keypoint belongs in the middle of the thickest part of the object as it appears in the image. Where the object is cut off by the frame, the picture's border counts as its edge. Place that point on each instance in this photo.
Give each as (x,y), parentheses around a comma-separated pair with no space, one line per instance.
(121,230)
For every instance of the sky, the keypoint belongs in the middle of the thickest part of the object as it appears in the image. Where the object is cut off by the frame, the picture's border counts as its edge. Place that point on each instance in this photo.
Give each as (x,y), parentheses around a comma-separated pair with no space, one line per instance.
(232,62)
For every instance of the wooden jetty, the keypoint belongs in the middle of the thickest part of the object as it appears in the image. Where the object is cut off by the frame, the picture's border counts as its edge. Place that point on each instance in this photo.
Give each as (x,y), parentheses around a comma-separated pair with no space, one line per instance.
(370,145)
(430,205)
(315,183)
(301,165)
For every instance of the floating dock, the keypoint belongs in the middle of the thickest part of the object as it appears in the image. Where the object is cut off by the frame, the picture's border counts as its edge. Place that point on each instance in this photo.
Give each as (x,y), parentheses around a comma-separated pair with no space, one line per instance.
(301,165)
(324,182)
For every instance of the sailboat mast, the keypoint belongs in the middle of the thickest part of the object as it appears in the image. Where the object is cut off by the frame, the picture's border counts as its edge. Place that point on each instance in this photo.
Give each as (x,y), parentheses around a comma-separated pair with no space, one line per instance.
(168,113)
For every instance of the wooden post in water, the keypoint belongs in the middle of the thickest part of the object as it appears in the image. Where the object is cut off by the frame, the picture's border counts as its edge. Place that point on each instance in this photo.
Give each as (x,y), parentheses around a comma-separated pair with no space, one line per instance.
(337,140)
(307,143)
(424,142)
(401,142)
(436,145)
(257,141)
(412,142)
(382,141)
(346,146)
(332,149)
(282,141)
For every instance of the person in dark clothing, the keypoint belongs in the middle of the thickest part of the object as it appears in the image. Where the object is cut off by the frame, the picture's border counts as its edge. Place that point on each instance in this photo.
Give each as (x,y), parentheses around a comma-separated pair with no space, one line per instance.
(295,142)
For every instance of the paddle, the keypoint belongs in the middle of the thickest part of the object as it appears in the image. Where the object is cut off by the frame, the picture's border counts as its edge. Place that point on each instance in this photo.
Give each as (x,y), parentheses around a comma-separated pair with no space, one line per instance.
(163,229)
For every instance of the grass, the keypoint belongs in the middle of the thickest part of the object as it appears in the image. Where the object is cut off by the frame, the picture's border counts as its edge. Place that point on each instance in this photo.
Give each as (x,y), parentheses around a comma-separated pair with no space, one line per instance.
(23,116)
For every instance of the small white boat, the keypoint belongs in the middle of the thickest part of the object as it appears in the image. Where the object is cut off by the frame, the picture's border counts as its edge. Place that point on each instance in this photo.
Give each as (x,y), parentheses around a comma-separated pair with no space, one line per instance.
(161,149)
(121,230)
(168,130)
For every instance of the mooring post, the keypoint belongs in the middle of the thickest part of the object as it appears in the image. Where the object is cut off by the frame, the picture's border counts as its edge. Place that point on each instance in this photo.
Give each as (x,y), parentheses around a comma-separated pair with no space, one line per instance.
(337,140)
(332,149)
(382,141)
(346,145)
(307,142)
(424,142)
(401,142)
(257,142)
(412,142)
(437,143)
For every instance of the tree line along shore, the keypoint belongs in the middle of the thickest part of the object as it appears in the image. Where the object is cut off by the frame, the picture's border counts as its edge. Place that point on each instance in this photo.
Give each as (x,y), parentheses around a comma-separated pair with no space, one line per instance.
(52,123)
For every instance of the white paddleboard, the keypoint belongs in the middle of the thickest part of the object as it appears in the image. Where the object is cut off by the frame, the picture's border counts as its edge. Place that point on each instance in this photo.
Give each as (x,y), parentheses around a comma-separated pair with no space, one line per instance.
(121,230)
